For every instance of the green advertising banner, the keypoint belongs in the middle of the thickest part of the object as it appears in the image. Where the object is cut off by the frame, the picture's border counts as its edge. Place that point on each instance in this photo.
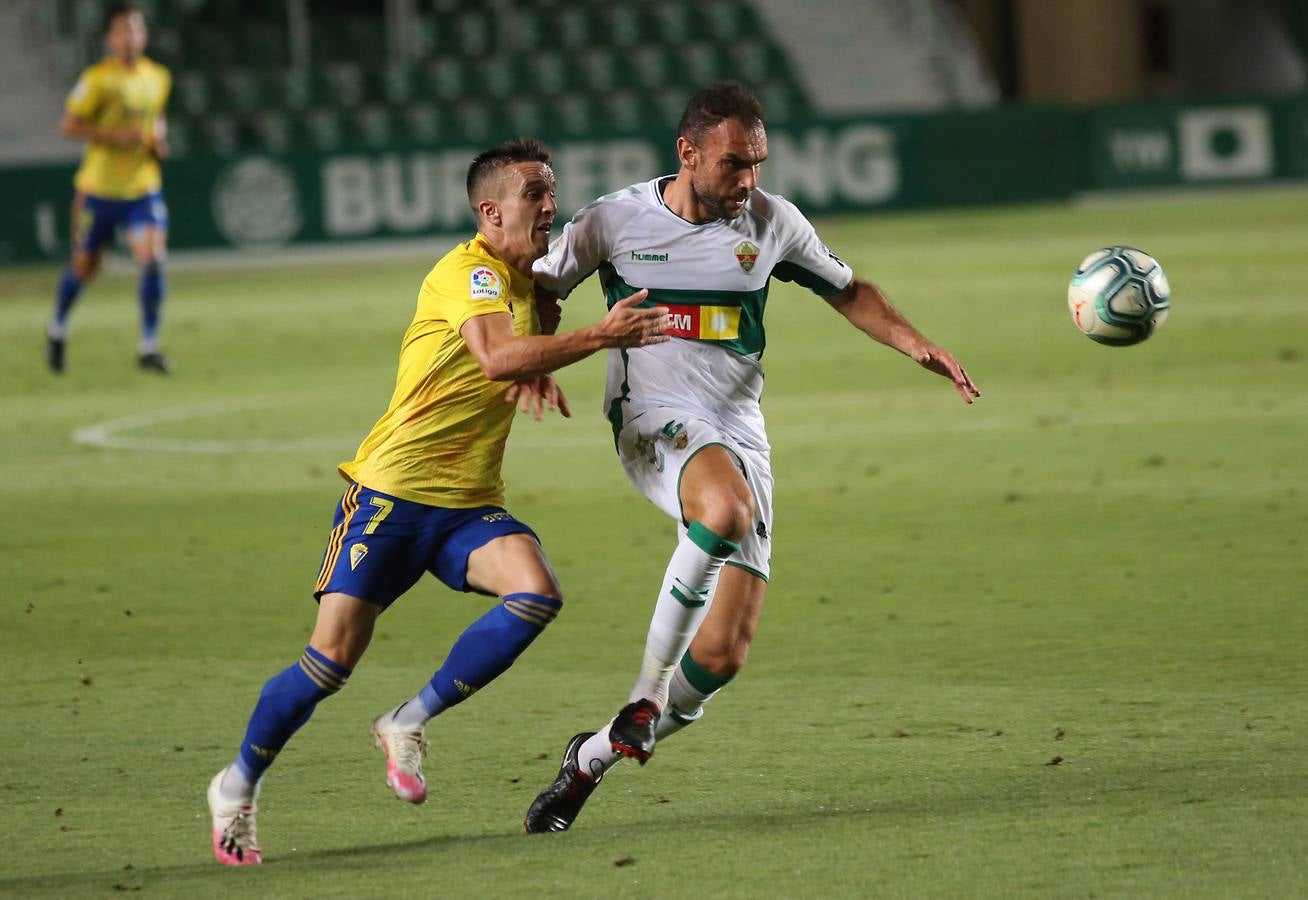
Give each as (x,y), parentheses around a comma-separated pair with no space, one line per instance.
(1161,145)
(1003,155)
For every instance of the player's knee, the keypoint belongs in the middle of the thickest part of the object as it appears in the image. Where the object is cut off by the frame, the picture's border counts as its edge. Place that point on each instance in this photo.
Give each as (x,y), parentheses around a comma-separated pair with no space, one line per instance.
(542,584)
(85,266)
(729,514)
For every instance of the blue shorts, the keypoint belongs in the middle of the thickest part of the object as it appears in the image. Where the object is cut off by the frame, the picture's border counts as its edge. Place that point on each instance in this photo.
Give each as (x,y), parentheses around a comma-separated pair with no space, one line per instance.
(380,545)
(99,219)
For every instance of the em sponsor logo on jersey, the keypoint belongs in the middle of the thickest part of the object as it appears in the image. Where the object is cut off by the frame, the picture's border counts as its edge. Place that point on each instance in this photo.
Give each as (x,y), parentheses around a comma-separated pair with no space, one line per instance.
(703,323)
(485,283)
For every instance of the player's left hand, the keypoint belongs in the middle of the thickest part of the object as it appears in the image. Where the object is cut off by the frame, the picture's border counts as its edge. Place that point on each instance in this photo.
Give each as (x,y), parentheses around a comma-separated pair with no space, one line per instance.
(534,394)
(549,311)
(942,362)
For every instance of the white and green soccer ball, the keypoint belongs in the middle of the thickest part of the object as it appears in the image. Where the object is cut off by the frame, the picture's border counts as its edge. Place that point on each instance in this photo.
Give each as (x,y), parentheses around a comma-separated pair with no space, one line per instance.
(1119,296)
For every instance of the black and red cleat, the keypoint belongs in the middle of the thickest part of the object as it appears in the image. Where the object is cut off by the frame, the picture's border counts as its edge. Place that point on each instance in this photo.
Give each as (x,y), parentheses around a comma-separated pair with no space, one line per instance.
(632,731)
(557,807)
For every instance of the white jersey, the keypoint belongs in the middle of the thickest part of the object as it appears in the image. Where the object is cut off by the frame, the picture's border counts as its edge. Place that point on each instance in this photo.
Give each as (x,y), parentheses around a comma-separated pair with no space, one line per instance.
(714,279)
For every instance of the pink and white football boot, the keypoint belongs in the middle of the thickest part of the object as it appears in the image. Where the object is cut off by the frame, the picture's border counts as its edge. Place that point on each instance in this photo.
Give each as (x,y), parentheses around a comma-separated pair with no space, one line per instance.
(404,749)
(235,842)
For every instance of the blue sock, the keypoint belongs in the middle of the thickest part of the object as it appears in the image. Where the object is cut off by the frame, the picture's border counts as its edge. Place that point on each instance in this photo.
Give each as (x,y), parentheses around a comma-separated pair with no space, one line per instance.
(151,295)
(287,701)
(487,648)
(66,295)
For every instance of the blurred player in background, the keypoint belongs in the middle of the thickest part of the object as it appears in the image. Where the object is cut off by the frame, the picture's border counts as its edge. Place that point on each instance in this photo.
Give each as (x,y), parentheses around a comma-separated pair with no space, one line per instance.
(685,414)
(117,108)
(426,494)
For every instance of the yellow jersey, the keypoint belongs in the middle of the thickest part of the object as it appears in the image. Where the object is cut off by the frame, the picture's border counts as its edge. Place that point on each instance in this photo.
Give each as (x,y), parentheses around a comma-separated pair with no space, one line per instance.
(111,95)
(441,441)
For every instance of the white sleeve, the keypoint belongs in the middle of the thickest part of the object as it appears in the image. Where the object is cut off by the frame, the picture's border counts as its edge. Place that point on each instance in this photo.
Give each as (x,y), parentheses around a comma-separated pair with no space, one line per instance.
(574,254)
(807,261)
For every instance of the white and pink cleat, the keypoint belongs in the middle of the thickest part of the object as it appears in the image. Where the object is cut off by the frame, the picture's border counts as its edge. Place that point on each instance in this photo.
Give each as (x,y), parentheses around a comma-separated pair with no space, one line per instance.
(404,749)
(235,842)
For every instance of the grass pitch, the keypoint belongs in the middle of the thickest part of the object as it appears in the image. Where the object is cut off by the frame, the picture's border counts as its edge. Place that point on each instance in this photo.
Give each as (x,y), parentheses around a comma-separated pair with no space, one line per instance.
(1050,645)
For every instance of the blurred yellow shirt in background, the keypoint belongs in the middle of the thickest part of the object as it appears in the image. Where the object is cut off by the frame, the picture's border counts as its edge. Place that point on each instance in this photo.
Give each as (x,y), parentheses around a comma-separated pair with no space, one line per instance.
(111,95)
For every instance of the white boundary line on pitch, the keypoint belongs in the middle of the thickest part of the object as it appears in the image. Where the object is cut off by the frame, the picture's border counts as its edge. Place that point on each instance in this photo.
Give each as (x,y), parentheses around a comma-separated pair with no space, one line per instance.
(116,434)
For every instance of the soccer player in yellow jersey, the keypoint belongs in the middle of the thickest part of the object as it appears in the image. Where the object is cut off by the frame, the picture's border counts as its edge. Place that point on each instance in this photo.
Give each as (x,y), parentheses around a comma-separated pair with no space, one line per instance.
(117,108)
(425,491)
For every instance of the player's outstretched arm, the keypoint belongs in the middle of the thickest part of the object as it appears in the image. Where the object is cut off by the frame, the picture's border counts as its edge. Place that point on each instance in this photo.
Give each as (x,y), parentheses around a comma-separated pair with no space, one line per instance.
(505,356)
(79,129)
(869,310)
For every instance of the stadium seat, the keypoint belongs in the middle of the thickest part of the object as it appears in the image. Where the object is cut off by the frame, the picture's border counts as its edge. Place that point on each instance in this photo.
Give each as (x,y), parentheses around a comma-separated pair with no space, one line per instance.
(221,134)
(624,111)
(673,21)
(473,34)
(372,126)
(700,63)
(271,131)
(322,128)
(621,24)
(240,90)
(393,84)
(420,124)
(444,78)
(496,76)
(192,93)
(649,64)
(473,120)
(574,29)
(572,114)
(346,82)
(598,68)
(525,116)
(548,73)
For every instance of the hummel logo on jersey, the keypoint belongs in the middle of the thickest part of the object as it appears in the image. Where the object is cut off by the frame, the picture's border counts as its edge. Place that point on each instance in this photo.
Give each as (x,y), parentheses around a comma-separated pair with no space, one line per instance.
(485,283)
(647,256)
(357,553)
(761,530)
(746,255)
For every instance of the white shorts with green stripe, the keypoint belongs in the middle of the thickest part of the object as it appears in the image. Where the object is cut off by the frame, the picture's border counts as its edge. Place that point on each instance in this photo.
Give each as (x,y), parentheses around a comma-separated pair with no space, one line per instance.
(655,446)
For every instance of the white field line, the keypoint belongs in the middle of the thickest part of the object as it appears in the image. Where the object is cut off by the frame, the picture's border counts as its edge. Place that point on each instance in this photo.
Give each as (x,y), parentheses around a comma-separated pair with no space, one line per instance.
(123,433)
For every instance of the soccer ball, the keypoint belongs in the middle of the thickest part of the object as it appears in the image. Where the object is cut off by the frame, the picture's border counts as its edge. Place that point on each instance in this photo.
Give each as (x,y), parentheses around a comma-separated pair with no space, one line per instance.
(1119,296)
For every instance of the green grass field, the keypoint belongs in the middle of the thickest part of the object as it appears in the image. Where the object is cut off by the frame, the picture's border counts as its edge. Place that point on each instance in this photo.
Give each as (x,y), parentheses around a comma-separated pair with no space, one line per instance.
(1050,645)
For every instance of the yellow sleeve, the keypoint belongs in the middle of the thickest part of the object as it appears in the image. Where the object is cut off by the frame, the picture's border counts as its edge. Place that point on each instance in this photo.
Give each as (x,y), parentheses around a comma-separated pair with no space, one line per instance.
(465,287)
(84,99)
(165,89)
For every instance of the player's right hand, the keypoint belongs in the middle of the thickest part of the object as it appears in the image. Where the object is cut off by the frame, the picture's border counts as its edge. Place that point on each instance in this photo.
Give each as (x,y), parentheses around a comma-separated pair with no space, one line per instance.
(630,325)
(125,136)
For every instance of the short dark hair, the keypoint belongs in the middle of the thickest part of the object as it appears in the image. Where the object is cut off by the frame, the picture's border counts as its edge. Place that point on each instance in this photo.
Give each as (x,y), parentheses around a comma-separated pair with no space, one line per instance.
(716,103)
(488,163)
(114,11)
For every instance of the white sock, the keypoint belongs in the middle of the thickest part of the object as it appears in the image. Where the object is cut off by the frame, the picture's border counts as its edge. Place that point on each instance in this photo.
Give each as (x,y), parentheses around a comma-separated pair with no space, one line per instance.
(685,700)
(596,754)
(681,607)
(685,705)
(412,714)
(235,786)
(56,331)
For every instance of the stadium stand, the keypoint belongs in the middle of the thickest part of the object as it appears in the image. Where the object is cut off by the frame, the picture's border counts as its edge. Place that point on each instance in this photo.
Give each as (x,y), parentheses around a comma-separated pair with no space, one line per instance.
(470,73)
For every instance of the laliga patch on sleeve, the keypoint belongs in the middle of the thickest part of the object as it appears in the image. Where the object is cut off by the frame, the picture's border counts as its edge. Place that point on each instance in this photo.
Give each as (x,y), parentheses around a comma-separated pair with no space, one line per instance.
(79,89)
(485,283)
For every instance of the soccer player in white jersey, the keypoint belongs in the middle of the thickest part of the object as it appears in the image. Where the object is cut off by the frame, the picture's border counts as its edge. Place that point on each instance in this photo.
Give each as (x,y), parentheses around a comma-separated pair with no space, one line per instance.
(685,414)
